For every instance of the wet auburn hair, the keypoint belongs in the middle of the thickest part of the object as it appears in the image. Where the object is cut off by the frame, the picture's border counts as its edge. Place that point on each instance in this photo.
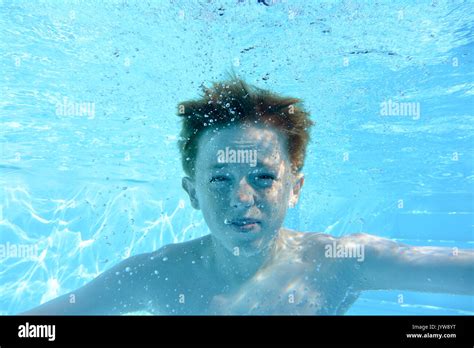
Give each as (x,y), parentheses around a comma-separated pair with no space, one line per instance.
(234,102)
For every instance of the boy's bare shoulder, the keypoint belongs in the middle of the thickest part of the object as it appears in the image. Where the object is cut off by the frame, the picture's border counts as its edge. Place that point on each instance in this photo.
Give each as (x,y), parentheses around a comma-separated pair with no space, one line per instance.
(314,243)
(159,259)
(177,252)
(309,239)
(324,238)
(171,263)
(372,245)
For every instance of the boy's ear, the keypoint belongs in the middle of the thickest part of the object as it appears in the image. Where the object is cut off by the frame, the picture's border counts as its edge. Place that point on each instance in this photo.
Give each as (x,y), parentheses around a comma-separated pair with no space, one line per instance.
(189,187)
(296,189)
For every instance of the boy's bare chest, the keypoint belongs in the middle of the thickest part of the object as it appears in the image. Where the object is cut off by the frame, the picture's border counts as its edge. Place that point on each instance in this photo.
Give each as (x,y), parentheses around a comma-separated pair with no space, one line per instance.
(290,288)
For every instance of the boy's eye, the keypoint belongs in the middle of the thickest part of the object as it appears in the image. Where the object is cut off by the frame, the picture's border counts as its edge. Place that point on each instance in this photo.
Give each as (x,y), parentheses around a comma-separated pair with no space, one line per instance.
(219,178)
(265,177)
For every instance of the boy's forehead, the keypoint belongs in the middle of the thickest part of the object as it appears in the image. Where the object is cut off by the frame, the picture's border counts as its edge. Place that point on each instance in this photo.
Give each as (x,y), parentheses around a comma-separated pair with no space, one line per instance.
(269,144)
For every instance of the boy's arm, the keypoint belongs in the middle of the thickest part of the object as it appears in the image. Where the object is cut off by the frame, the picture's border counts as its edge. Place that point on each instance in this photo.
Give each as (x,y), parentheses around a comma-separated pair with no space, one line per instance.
(391,265)
(108,294)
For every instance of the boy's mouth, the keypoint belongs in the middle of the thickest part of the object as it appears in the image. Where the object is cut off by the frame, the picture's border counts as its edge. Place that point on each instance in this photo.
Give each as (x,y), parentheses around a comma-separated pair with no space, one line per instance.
(244,224)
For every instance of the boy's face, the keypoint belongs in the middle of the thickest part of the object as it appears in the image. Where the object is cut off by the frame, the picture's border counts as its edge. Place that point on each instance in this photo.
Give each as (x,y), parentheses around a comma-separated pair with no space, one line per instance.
(243,184)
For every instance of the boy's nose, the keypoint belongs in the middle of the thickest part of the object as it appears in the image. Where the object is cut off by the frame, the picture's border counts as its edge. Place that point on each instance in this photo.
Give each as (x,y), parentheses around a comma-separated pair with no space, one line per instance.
(243,195)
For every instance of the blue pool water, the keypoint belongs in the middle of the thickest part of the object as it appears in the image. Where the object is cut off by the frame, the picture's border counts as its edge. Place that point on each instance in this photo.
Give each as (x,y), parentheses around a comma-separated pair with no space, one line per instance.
(92,185)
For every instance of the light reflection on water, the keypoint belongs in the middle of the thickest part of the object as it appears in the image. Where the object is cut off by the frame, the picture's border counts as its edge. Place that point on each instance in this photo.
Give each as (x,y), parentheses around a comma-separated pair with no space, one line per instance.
(90,191)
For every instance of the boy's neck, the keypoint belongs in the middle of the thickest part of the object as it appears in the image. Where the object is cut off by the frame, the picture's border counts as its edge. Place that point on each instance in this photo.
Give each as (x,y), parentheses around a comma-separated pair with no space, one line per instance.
(235,270)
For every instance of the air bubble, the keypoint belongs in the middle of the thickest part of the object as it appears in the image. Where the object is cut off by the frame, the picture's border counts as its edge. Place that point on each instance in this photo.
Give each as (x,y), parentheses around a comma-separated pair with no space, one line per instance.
(165,258)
